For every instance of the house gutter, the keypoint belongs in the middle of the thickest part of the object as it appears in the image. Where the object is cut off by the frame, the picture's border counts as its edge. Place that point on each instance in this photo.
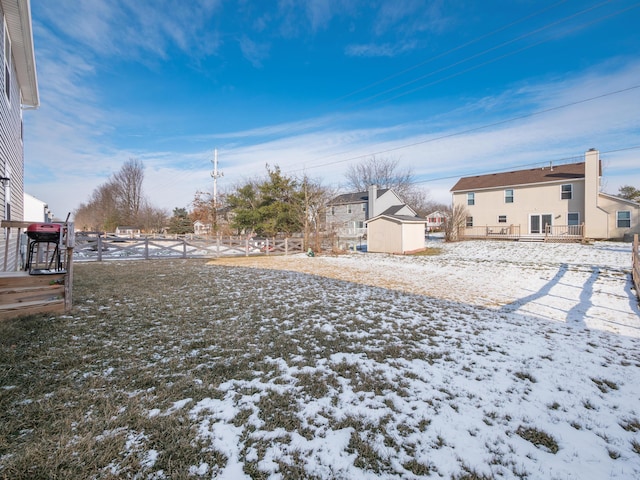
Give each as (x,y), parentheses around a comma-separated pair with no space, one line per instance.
(18,17)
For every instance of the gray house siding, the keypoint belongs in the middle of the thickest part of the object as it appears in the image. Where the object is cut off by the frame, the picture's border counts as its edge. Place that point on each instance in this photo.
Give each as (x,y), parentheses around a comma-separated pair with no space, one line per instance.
(11,151)
(348,218)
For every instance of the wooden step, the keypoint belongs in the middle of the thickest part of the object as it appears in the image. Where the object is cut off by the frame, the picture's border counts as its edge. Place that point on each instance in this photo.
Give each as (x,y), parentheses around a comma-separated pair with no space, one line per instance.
(23,279)
(31,308)
(31,294)
(24,294)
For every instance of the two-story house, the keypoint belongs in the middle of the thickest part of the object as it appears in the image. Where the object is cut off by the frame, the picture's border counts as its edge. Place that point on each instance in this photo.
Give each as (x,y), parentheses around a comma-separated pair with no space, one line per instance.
(18,91)
(436,220)
(555,200)
(347,214)
(388,223)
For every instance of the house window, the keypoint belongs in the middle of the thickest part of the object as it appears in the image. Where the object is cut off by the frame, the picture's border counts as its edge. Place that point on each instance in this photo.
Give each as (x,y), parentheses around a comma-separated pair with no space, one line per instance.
(348,208)
(471,198)
(508,196)
(566,191)
(502,219)
(7,62)
(624,219)
(364,207)
(469,222)
(333,210)
(573,218)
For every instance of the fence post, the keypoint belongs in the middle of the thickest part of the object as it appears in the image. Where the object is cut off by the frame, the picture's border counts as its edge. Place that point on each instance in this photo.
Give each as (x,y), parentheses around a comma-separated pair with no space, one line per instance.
(218,246)
(184,247)
(146,248)
(286,246)
(246,247)
(99,247)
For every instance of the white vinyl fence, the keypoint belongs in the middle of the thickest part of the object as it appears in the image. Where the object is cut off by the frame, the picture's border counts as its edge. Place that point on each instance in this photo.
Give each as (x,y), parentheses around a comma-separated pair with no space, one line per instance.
(98,248)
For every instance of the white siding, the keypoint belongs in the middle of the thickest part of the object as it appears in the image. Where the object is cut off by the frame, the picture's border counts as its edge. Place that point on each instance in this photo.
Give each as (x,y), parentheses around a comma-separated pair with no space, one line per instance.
(11,154)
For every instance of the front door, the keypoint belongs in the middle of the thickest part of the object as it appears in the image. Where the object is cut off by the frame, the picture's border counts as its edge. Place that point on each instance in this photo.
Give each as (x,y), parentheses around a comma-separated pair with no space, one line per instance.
(539,223)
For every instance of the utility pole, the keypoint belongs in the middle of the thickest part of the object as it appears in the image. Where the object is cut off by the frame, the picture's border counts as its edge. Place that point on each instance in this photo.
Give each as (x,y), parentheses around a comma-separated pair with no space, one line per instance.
(215,175)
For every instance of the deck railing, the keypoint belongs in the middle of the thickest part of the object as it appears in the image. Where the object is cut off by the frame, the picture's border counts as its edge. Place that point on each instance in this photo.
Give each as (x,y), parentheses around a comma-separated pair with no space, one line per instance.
(497,232)
(561,233)
(552,233)
(636,265)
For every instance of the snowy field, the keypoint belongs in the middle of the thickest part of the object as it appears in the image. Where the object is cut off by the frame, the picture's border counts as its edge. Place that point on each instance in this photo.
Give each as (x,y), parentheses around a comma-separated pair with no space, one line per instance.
(490,360)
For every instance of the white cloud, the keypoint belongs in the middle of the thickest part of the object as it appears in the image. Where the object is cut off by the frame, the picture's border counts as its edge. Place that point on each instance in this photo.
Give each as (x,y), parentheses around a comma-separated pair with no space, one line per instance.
(69,151)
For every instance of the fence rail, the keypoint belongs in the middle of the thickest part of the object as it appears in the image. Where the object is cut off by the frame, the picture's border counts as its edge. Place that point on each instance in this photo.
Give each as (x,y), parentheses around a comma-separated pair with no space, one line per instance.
(636,265)
(99,248)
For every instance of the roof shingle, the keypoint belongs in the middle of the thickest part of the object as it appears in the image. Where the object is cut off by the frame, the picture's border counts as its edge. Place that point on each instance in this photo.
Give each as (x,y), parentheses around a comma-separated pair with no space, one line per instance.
(557,173)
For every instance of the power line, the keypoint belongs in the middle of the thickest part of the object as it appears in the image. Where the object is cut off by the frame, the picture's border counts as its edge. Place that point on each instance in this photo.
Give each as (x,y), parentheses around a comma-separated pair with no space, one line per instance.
(474,129)
(476,67)
(451,50)
(493,60)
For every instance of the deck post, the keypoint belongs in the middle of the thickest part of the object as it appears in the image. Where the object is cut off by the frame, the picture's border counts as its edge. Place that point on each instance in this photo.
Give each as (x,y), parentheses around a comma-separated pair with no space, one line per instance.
(6,248)
(68,281)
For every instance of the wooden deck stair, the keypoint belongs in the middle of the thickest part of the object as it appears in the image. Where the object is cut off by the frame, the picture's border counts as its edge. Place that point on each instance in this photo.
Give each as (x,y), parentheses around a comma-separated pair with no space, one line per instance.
(24,294)
(531,238)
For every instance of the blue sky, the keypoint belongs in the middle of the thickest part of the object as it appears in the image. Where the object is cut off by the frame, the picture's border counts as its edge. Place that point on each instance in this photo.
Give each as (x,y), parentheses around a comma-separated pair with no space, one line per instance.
(447,88)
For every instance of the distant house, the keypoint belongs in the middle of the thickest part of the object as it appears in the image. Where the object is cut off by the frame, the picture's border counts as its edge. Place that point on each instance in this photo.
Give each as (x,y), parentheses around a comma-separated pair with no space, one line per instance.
(389,224)
(18,91)
(201,228)
(36,210)
(347,213)
(128,231)
(558,201)
(436,220)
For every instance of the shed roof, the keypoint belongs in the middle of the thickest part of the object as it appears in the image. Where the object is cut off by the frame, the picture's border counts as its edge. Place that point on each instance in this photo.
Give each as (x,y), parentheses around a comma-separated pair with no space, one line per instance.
(18,16)
(570,171)
(398,218)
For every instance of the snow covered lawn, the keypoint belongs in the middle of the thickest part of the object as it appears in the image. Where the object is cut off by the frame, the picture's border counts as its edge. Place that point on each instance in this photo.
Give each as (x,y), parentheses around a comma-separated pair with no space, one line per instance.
(489,360)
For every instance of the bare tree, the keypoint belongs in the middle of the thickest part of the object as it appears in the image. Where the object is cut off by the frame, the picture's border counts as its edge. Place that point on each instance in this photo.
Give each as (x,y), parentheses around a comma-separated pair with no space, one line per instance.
(119,201)
(152,219)
(316,197)
(128,186)
(455,222)
(385,173)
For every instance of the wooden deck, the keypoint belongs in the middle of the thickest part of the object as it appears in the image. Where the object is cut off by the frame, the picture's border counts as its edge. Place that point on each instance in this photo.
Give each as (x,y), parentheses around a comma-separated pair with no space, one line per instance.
(555,233)
(24,294)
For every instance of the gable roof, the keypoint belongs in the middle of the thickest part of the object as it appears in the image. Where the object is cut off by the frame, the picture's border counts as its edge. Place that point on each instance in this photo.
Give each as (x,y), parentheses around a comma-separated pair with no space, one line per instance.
(358,197)
(398,218)
(570,171)
(619,199)
(18,16)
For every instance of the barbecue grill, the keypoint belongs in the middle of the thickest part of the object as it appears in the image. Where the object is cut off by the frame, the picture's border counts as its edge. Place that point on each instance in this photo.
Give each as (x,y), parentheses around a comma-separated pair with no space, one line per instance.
(44,248)
(44,232)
